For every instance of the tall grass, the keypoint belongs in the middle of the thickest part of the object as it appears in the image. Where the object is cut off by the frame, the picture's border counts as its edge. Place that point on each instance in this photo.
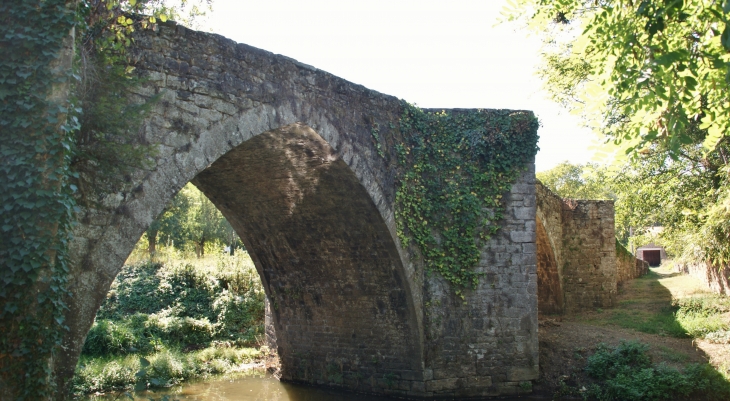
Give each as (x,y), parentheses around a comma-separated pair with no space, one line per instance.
(166,367)
(704,316)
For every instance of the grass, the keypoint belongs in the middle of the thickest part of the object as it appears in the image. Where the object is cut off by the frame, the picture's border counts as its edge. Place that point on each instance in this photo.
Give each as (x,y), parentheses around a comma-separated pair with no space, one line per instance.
(662,303)
(166,367)
(188,318)
(669,304)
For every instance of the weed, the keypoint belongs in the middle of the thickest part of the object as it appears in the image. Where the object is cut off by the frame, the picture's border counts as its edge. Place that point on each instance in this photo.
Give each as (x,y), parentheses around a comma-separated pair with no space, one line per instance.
(389,379)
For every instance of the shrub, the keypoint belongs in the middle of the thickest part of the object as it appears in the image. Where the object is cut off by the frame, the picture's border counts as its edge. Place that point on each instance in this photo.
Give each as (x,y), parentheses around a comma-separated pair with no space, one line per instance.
(189,304)
(109,338)
(626,373)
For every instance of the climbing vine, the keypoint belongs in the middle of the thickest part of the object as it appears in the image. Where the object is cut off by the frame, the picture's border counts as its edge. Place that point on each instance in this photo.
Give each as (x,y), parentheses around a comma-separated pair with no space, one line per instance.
(40,137)
(36,200)
(454,168)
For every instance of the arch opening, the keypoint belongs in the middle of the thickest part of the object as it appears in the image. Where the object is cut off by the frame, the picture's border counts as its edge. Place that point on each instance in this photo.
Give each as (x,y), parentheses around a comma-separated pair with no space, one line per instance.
(337,290)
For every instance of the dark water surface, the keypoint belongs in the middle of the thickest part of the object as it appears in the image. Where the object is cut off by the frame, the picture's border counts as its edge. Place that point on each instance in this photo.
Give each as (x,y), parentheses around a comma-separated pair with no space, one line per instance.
(257,387)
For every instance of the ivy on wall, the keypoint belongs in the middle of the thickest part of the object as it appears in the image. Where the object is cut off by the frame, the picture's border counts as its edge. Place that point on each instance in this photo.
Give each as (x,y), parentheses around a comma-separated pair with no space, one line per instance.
(35,198)
(454,168)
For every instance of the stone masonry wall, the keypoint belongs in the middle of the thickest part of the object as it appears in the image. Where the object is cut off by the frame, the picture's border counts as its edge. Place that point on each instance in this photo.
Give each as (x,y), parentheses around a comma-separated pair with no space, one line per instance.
(714,279)
(285,151)
(581,234)
(628,267)
(468,340)
(589,242)
(549,222)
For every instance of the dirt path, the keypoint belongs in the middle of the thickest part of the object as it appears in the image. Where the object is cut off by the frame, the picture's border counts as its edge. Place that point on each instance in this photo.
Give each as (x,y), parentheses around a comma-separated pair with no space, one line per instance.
(643,312)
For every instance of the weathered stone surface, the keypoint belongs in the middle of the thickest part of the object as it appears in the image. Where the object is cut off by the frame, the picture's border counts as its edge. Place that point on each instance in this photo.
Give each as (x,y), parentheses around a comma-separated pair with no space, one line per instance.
(628,267)
(578,264)
(285,151)
(710,275)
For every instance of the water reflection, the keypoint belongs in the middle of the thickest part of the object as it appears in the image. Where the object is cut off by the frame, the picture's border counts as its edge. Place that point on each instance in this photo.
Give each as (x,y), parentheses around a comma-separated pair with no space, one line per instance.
(251,387)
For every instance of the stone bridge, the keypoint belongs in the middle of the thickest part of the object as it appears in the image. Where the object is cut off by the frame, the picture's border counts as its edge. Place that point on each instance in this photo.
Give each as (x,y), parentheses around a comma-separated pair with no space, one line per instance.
(285,151)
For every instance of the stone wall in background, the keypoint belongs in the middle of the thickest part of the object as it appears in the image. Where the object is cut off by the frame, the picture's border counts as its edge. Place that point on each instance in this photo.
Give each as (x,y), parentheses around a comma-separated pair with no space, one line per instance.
(628,267)
(577,266)
(589,247)
(714,279)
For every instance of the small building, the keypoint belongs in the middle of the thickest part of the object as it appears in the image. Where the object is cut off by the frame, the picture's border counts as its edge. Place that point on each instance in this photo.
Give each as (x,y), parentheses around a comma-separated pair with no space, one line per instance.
(651,253)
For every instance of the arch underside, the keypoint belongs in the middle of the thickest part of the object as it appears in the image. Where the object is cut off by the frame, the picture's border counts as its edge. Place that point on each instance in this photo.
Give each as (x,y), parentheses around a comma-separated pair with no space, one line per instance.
(328,263)
(549,288)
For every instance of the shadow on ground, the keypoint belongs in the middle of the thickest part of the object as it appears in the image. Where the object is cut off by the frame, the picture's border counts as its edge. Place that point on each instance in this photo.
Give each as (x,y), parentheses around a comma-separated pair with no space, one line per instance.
(646,311)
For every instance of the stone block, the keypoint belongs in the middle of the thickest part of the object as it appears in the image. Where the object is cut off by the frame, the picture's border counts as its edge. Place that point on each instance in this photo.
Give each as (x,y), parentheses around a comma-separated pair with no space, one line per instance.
(522,236)
(441,385)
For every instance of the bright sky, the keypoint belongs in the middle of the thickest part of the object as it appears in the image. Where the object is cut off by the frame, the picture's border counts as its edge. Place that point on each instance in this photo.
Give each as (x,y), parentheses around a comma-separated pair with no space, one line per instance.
(432,53)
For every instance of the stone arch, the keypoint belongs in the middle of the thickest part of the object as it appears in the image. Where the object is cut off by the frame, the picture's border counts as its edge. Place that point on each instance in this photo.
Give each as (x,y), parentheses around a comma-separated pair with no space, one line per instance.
(549,284)
(325,253)
(218,97)
(279,145)
(327,261)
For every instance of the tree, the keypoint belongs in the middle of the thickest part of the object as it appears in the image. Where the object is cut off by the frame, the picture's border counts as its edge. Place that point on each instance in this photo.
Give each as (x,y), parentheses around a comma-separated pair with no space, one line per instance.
(191,218)
(577,181)
(638,71)
(651,76)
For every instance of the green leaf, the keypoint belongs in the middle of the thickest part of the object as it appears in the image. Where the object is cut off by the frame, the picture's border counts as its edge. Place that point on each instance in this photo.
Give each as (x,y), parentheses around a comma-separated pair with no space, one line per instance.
(725,37)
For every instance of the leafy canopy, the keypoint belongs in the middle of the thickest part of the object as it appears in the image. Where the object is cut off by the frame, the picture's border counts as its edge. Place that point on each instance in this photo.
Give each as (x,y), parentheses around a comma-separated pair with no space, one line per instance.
(638,71)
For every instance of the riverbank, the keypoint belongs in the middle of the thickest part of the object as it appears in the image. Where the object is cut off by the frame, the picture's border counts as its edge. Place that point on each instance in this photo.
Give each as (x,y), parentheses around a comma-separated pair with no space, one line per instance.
(169,323)
(166,322)
(665,339)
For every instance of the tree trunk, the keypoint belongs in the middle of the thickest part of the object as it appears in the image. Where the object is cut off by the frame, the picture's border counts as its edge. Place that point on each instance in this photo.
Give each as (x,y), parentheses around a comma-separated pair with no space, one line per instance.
(152,243)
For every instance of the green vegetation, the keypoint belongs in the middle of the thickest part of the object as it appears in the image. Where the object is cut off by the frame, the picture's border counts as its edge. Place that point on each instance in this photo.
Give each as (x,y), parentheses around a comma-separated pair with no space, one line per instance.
(162,312)
(626,372)
(159,369)
(44,101)
(638,72)
(653,310)
(660,304)
(651,77)
(454,169)
(35,194)
(578,181)
(191,223)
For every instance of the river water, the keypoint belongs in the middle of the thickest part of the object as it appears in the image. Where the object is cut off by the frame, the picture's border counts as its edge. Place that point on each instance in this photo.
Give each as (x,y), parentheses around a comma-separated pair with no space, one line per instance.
(249,387)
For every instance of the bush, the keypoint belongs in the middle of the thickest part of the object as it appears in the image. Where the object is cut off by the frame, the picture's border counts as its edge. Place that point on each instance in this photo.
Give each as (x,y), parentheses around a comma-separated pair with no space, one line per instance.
(608,362)
(109,338)
(187,305)
(626,373)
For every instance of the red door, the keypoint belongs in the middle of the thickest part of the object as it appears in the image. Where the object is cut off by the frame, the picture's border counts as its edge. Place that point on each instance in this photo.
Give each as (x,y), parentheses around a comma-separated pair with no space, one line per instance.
(654,258)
